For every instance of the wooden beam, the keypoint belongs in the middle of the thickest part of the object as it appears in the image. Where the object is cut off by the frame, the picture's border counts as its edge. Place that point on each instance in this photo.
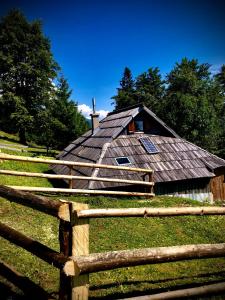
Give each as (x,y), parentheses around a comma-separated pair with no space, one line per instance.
(209,289)
(51,207)
(117,259)
(80,246)
(79,191)
(71,177)
(70,163)
(50,256)
(151,212)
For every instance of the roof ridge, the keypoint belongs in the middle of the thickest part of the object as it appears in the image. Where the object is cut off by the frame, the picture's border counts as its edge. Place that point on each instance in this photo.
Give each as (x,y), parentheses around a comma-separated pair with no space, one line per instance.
(126,108)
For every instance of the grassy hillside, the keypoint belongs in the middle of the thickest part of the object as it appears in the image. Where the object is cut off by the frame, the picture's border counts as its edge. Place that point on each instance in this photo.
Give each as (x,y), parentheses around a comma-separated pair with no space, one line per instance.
(113,234)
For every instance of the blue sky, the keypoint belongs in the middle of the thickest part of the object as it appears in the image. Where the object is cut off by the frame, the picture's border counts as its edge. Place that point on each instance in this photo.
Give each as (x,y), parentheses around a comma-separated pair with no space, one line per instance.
(94,40)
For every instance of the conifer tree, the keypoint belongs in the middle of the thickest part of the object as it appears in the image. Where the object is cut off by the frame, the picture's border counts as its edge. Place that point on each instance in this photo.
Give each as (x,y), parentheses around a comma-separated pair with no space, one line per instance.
(150,89)
(126,92)
(192,106)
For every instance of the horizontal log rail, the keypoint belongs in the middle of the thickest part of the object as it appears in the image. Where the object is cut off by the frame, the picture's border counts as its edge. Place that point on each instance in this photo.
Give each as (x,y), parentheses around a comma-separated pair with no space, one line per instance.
(118,259)
(71,177)
(51,207)
(150,212)
(45,253)
(70,163)
(209,289)
(80,191)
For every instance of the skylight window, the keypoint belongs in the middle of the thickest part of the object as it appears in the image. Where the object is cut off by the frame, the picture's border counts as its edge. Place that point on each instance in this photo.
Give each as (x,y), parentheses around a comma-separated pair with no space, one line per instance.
(148,145)
(122,160)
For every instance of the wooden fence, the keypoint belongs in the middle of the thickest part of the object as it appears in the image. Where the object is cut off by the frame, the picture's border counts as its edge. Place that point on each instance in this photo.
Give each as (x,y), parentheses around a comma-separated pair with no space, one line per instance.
(74,261)
(146,173)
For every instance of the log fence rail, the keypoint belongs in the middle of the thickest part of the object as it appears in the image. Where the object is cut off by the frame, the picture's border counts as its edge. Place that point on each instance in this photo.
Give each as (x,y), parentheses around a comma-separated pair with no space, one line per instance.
(75,262)
(70,178)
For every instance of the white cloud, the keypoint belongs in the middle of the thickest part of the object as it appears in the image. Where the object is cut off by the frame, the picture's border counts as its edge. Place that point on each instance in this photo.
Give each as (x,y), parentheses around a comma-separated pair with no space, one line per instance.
(214,69)
(86,111)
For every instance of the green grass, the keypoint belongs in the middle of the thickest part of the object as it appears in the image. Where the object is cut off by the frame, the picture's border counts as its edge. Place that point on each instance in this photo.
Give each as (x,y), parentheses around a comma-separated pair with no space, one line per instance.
(12,140)
(114,234)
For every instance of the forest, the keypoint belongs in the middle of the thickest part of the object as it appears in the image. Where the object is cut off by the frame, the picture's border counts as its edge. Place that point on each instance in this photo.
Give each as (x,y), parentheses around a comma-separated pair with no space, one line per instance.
(190,99)
(36,98)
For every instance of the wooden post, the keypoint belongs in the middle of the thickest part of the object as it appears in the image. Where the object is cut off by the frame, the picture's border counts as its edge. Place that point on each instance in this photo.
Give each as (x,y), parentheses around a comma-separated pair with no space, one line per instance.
(151,180)
(80,246)
(65,241)
(71,180)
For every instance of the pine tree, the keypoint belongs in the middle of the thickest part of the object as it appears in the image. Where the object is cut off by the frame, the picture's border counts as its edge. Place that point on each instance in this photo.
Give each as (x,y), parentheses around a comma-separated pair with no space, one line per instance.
(126,92)
(59,122)
(190,105)
(150,89)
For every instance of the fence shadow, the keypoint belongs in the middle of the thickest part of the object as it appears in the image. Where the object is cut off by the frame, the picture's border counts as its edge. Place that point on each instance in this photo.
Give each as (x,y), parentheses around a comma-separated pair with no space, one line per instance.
(152,291)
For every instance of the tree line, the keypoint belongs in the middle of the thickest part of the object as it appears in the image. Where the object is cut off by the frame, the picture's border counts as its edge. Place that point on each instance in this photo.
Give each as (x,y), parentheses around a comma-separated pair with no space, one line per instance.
(189,99)
(35,98)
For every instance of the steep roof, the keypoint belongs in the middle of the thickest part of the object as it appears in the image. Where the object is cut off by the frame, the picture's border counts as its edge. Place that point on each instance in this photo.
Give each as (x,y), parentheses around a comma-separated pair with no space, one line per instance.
(177,159)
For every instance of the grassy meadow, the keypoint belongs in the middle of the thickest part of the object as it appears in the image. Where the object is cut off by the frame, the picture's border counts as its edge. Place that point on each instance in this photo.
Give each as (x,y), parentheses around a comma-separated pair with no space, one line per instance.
(111,234)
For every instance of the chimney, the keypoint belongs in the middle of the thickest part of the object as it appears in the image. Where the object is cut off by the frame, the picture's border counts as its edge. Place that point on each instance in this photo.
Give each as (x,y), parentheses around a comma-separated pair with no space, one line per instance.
(94,117)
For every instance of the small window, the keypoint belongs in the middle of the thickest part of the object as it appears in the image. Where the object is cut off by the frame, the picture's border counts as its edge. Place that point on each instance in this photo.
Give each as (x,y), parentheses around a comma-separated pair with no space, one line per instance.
(148,145)
(139,125)
(122,160)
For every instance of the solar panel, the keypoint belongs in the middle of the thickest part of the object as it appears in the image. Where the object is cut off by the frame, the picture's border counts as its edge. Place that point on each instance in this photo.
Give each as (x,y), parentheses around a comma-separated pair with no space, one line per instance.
(148,145)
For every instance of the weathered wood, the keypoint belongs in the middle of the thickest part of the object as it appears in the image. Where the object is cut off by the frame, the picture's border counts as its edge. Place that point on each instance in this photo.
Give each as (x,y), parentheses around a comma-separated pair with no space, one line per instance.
(71,180)
(117,259)
(50,256)
(211,289)
(71,177)
(51,207)
(79,191)
(30,289)
(65,242)
(151,212)
(70,163)
(80,246)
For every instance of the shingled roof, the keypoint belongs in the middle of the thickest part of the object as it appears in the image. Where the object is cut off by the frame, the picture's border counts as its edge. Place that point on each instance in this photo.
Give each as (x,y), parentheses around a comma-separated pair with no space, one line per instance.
(177,159)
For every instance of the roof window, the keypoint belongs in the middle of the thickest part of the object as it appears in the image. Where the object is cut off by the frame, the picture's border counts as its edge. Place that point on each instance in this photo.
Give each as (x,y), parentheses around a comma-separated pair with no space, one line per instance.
(123,160)
(148,145)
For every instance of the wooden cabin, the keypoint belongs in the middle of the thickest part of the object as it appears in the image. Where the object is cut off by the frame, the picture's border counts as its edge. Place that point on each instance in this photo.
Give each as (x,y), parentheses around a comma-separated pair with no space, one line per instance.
(136,137)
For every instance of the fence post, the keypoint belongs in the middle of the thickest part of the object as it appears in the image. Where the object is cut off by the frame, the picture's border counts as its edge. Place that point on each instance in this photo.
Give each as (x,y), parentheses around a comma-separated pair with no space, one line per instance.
(65,241)
(80,246)
(151,180)
(71,180)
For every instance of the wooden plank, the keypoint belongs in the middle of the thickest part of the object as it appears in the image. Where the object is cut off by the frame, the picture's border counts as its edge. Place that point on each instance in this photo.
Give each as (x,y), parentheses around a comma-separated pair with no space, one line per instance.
(45,253)
(151,212)
(80,191)
(69,163)
(96,262)
(80,246)
(51,207)
(209,289)
(71,177)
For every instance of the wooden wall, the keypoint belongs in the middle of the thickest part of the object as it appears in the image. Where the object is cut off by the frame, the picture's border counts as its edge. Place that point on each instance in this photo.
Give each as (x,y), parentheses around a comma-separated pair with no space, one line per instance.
(196,189)
(217,184)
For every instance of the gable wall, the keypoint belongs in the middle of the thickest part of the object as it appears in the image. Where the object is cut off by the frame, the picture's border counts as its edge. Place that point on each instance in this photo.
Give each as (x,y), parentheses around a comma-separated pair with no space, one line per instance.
(217,185)
(151,126)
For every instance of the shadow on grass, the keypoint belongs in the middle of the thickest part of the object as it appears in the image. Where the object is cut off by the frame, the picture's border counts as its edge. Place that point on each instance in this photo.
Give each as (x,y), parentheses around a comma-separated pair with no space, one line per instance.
(7,293)
(56,183)
(137,292)
(9,139)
